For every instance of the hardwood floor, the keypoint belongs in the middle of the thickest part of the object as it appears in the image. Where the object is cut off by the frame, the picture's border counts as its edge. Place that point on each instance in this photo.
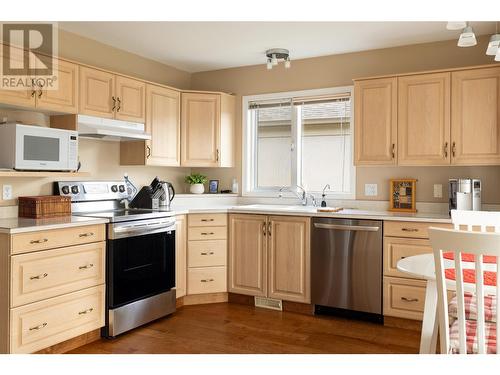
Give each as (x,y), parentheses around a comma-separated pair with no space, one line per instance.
(232,328)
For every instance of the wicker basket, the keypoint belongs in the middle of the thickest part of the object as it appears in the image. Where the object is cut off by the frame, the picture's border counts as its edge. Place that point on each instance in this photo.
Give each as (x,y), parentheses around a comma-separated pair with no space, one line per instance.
(44,206)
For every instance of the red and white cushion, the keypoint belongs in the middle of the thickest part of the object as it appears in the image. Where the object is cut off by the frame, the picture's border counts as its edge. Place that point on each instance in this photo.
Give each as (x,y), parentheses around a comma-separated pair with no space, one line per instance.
(470,304)
(471,337)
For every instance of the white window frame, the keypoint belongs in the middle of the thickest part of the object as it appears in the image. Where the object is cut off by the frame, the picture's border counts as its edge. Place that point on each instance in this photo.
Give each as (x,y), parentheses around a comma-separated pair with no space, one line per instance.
(249,155)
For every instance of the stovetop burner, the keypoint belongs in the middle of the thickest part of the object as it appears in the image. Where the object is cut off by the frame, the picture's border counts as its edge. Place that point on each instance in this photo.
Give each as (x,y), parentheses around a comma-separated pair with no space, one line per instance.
(131,214)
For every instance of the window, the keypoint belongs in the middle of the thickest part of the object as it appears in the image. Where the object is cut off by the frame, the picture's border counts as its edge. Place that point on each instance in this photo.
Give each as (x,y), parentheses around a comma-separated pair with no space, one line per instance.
(299,138)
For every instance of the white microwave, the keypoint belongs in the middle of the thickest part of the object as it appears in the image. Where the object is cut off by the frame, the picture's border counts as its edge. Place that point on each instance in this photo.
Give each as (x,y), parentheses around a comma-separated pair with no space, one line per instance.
(37,148)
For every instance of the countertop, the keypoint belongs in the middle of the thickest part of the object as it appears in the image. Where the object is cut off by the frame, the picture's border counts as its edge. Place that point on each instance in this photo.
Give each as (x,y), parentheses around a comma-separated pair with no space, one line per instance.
(312,212)
(21,225)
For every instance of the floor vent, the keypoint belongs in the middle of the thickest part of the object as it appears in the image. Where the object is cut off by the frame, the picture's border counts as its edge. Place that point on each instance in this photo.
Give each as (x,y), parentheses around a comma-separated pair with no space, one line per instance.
(269,303)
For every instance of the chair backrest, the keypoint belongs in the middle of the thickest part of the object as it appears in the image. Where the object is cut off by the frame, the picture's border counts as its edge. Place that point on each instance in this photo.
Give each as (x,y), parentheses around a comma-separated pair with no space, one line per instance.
(458,242)
(484,220)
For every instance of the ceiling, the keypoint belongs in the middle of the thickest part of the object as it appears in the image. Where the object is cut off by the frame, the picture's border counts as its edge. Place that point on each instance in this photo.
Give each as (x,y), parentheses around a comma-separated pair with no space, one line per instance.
(202,46)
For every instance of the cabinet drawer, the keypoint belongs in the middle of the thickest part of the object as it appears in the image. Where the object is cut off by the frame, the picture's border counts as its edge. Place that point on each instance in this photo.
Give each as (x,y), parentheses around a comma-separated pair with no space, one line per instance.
(50,239)
(207,253)
(396,249)
(207,280)
(207,233)
(404,298)
(410,229)
(207,220)
(42,324)
(45,274)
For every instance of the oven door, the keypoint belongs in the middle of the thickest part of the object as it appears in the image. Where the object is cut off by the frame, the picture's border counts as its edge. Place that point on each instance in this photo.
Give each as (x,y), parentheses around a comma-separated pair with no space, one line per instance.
(140,261)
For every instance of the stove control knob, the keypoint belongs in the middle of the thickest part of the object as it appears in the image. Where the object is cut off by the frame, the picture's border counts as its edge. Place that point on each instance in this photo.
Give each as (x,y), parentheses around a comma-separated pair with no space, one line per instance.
(65,189)
(75,189)
(114,188)
(122,188)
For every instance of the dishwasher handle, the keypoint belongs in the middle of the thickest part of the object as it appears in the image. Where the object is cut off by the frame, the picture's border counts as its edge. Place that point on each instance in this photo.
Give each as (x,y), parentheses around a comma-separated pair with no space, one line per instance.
(361,228)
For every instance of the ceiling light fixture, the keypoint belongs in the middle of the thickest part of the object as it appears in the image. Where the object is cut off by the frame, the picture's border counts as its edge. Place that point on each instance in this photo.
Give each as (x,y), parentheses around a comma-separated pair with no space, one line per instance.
(467,38)
(275,55)
(494,42)
(456,25)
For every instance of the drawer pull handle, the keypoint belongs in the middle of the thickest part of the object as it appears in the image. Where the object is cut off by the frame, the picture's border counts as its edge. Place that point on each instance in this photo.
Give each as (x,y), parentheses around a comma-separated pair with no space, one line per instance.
(207,280)
(207,253)
(86,311)
(207,233)
(43,240)
(409,299)
(86,266)
(409,229)
(89,234)
(205,220)
(38,277)
(38,327)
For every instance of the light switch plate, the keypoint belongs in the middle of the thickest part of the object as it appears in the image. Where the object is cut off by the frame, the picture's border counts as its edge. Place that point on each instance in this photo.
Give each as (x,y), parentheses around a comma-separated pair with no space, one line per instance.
(6,192)
(371,190)
(438,191)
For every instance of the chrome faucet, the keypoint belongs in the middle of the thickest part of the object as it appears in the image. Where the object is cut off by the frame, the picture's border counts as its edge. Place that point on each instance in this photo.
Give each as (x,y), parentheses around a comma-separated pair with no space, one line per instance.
(313,200)
(302,196)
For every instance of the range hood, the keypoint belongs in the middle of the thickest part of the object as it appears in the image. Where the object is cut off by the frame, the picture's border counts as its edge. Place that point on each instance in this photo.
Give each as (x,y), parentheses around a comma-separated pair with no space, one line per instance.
(109,129)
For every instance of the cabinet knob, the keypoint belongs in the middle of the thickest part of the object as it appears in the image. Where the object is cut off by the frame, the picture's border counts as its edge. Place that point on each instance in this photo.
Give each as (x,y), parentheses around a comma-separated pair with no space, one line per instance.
(453,149)
(43,240)
(114,103)
(393,150)
(37,328)
(89,234)
(86,266)
(119,104)
(206,280)
(406,299)
(148,155)
(86,311)
(38,277)
(446,149)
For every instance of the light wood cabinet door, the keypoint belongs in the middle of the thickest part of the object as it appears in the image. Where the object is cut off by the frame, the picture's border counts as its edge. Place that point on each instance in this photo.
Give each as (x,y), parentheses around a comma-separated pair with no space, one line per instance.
(130,99)
(424,119)
(200,126)
(375,121)
(64,97)
(475,117)
(164,124)
(248,254)
(289,258)
(97,89)
(180,255)
(22,98)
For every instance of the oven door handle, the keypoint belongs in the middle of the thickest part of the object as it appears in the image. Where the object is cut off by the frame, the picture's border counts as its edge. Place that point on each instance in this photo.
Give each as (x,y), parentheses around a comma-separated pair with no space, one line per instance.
(143,229)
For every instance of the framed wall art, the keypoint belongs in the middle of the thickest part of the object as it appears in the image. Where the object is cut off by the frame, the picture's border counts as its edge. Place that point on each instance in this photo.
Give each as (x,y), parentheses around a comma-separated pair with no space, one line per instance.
(402,195)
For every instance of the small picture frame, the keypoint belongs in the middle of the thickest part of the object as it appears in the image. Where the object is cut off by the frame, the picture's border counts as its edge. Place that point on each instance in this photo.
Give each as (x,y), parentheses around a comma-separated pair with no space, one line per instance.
(402,195)
(213,186)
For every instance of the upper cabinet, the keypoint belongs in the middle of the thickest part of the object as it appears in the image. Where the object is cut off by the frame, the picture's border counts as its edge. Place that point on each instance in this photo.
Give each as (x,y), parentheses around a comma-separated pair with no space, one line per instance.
(424,119)
(475,117)
(164,124)
(108,95)
(61,98)
(207,129)
(375,121)
(64,97)
(444,118)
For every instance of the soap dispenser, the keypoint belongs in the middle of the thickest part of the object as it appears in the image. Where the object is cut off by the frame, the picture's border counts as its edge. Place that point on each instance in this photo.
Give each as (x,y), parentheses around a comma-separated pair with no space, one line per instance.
(323,195)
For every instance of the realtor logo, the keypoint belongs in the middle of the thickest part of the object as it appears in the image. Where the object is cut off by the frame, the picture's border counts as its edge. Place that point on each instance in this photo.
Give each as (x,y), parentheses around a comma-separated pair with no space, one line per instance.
(28,53)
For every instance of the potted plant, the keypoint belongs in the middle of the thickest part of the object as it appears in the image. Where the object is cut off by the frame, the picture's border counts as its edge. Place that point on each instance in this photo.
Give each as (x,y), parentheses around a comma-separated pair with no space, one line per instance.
(196,181)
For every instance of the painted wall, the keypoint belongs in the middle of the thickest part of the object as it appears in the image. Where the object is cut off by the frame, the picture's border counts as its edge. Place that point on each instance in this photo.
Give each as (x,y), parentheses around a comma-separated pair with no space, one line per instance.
(339,70)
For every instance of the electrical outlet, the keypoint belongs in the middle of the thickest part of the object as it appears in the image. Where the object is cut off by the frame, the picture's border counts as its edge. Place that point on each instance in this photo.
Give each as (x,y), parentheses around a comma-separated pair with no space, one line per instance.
(7,192)
(438,191)
(371,190)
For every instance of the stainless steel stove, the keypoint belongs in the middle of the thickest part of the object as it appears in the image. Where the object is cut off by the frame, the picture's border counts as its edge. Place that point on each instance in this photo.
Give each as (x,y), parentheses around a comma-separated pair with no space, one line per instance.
(140,253)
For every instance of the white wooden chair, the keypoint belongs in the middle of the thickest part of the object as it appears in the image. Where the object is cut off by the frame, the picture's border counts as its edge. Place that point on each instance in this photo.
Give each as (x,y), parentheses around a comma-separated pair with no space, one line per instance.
(478,244)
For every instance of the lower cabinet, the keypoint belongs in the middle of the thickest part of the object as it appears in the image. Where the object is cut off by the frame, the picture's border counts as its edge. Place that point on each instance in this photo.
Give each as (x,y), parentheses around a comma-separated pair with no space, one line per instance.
(269,256)
(207,254)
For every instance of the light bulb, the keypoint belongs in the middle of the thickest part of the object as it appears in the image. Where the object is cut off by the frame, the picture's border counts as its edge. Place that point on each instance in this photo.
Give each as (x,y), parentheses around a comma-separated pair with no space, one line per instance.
(274,60)
(467,38)
(288,63)
(493,45)
(269,64)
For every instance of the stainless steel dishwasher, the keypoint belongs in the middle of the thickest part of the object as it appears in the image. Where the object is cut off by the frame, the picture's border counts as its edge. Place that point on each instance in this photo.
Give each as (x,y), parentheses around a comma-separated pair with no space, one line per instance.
(346,267)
